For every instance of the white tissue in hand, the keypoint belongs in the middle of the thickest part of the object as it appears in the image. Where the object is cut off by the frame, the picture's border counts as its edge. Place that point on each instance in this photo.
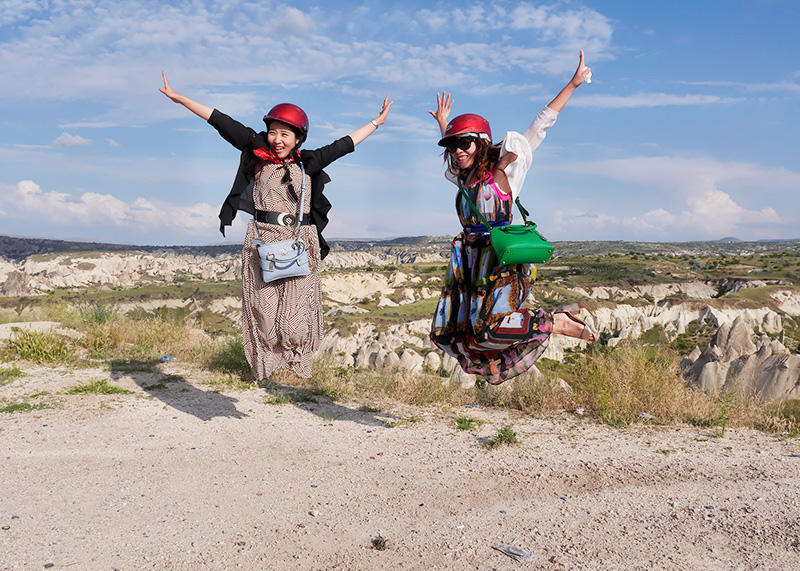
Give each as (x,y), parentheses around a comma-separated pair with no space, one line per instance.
(589,77)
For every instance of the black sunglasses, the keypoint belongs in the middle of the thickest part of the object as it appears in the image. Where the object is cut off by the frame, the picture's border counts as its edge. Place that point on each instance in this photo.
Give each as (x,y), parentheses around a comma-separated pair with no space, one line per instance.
(462,143)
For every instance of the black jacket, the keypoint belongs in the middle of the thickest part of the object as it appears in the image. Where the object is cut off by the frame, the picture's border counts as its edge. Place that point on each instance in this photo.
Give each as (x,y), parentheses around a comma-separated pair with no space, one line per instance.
(241,195)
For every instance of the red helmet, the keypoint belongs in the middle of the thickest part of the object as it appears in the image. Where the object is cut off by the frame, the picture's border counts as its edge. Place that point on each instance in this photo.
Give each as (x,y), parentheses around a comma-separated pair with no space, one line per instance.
(291,115)
(467,124)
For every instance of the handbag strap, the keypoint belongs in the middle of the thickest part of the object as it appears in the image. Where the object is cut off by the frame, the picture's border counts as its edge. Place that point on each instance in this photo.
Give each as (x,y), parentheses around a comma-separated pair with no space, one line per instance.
(300,208)
(522,210)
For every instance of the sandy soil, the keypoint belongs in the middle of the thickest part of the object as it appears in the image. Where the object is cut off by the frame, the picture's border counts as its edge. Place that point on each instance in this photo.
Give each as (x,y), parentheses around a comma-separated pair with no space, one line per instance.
(183,477)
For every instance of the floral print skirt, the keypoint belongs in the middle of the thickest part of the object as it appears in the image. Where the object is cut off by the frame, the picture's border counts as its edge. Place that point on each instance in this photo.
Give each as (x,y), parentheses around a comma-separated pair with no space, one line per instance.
(480,320)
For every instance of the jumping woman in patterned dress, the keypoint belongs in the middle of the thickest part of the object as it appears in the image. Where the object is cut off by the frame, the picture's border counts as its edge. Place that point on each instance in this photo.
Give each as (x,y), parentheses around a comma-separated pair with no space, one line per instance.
(281,320)
(479,319)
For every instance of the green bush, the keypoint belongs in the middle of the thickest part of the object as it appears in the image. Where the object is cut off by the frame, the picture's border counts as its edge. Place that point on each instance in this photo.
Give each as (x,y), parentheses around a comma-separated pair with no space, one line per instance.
(504,436)
(38,346)
(227,355)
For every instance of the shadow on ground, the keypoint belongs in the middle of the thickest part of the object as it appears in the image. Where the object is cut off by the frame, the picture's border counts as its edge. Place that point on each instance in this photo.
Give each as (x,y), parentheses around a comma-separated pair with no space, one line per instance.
(176,391)
(324,407)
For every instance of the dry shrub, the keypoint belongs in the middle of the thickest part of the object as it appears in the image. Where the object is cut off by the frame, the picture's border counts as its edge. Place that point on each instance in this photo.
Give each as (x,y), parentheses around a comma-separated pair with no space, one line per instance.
(781,417)
(620,384)
(419,389)
(141,339)
(529,393)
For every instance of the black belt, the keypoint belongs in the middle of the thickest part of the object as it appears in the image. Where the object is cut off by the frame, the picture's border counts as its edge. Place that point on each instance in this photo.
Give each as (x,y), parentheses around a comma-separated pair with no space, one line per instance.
(281,218)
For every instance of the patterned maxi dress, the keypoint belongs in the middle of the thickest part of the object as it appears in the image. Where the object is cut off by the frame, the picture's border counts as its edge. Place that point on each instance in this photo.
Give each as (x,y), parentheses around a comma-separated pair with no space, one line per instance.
(479,319)
(281,320)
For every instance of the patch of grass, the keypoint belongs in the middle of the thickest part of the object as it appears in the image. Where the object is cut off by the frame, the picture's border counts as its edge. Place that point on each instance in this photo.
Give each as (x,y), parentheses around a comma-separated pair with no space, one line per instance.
(230,382)
(96,312)
(654,336)
(281,397)
(227,355)
(468,423)
(38,347)
(277,398)
(504,436)
(9,373)
(665,451)
(98,387)
(404,422)
(24,407)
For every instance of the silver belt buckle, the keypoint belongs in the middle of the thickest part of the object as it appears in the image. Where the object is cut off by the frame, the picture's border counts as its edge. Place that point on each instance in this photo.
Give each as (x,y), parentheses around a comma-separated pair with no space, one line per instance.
(286,219)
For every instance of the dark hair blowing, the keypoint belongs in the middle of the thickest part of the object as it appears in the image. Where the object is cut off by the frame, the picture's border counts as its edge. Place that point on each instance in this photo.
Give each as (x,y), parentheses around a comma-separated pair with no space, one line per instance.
(485,152)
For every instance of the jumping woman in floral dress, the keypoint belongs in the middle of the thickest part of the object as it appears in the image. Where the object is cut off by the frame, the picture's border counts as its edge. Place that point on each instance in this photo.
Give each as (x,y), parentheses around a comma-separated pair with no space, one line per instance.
(479,319)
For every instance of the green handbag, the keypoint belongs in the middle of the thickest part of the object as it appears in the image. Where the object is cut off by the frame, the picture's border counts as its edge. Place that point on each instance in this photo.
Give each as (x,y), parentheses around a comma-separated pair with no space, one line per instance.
(515,243)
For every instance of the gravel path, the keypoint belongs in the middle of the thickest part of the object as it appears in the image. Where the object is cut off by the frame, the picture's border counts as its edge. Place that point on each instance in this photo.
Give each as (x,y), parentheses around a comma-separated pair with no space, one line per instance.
(183,477)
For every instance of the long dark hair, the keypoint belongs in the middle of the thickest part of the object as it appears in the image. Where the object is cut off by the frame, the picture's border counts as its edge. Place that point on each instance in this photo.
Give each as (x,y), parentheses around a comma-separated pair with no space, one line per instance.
(488,155)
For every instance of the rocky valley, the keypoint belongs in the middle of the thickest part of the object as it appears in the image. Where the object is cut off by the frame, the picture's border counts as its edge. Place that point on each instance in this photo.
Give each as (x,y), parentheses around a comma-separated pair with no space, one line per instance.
(731,308)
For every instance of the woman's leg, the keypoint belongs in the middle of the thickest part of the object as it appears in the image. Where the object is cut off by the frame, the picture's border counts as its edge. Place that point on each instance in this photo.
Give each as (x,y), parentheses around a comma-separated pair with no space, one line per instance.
(569,325)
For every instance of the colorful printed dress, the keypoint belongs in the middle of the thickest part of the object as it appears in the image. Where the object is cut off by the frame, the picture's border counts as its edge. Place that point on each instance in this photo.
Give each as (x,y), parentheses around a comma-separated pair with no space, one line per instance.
(479,319)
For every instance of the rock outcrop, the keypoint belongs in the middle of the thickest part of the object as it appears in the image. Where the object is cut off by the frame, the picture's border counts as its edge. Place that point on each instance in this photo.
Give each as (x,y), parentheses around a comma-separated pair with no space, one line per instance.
(763,369)
(114,269)
(656,292)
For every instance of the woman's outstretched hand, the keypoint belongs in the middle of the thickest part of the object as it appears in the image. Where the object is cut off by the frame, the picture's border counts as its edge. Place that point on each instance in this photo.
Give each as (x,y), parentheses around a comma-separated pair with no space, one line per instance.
(202,111)
(444,103)
(363,132)
(581,74)
(167,90)
(381,119)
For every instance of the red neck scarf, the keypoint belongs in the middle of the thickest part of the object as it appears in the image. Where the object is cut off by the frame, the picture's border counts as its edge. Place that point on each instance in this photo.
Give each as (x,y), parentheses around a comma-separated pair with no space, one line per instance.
(268,155)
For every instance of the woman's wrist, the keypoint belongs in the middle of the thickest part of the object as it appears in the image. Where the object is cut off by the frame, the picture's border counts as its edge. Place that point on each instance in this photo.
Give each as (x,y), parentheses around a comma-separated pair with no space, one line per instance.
(375,123)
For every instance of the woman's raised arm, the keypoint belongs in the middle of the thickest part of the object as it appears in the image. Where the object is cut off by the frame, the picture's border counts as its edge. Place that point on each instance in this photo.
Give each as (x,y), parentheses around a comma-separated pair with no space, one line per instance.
(363,132)
(444,103)
(202,111)
(563,96)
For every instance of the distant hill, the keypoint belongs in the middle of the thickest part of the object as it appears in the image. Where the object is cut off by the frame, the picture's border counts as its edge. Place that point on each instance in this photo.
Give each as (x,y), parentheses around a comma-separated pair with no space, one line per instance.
(15,248)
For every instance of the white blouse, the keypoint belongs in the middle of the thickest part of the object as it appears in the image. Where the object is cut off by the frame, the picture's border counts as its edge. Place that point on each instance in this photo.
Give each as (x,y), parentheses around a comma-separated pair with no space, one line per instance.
(523,146)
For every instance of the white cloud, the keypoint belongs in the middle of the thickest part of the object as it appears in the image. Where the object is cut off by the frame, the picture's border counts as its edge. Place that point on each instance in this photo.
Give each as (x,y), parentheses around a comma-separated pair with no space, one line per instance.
(650,100)
(772,87)
(111,52)
(296,22)
(112,143)
(695,195)
(89,125)
(27,200)
(67,140)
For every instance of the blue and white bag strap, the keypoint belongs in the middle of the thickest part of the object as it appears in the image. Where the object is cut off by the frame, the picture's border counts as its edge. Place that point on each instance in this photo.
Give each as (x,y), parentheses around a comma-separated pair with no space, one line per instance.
(302,197)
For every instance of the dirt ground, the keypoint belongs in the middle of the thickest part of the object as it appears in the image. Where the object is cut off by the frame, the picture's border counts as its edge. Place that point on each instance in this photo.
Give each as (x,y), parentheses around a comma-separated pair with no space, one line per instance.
(183,477)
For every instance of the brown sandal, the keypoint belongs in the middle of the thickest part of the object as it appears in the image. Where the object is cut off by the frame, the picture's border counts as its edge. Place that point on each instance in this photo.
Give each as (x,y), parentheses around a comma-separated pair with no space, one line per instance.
(586,334)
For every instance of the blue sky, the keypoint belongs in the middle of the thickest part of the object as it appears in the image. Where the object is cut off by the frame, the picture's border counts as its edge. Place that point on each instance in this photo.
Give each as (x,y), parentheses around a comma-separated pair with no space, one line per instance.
(689,130)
